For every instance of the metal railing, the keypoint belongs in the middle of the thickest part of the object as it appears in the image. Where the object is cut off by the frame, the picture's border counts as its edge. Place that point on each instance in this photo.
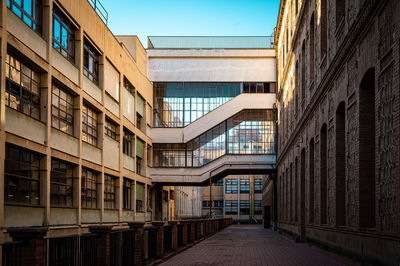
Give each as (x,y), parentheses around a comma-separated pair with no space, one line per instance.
(151,247)
(189,233)
(88,249)
(63,250)
(12,253)
(100,10)
(180,235)
(167,239)
(122,247)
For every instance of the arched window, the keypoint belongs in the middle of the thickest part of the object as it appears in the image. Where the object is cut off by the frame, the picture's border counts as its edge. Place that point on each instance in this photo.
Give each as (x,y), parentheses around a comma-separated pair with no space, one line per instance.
(323,28)
(311,184)
(303,71)
(340,165)
(312,47)
(323,173)
(367,150)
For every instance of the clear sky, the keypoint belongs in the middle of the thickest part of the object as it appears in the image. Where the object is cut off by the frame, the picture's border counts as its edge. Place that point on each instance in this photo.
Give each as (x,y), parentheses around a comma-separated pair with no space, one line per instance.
(191,18)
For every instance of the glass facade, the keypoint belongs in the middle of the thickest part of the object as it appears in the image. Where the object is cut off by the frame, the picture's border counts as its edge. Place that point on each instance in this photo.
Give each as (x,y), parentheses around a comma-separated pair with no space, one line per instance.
(179,104)
(248,132)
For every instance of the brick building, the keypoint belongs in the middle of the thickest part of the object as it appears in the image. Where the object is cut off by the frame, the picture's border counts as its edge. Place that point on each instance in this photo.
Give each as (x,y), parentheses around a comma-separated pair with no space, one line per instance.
(338,119)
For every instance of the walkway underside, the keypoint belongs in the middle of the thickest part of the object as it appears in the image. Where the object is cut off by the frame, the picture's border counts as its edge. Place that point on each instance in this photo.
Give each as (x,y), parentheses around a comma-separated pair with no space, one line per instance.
(250,245)
(217,169)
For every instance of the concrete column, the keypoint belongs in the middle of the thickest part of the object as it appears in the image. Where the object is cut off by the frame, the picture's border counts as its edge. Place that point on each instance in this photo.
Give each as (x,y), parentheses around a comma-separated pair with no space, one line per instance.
(33,248)
(160,238)
(103,245)
(138,241)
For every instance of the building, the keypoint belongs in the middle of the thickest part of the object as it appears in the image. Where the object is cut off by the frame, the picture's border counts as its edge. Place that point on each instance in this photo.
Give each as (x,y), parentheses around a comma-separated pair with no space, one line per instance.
(213,108)
(76,115)
(187,202)
(236,196)
(338,109)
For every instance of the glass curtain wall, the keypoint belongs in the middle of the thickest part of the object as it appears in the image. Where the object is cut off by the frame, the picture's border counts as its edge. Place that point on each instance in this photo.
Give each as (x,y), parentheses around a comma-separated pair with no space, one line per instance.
(248,132)
(179,104)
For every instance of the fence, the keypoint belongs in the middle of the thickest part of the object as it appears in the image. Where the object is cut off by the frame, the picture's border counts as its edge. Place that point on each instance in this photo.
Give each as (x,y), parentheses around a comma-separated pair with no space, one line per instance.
(103,246)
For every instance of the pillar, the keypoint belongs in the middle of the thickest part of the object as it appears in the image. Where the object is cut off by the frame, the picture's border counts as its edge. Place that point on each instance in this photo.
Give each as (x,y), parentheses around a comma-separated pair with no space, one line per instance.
(160,238)
(138,241)
(174,234)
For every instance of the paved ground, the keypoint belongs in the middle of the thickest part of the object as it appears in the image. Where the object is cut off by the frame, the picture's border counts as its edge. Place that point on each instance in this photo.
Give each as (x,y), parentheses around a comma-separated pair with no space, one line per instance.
(250,245)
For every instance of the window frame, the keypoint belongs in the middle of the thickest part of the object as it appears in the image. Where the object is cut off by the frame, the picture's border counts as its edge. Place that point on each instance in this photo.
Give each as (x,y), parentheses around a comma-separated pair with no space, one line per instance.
(244,186)
(68,105)
(233,185)
(258,187)
(69,51)
(231,207)
(127,194)
(127,142)
(111,129)
(68,187)
(35,18)
(89,52)
(110,192)
(93,182)
(244,205)
(19,91)
(90,138)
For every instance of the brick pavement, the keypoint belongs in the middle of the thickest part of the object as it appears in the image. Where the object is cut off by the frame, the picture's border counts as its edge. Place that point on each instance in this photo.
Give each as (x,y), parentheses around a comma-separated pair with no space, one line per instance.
(249,245)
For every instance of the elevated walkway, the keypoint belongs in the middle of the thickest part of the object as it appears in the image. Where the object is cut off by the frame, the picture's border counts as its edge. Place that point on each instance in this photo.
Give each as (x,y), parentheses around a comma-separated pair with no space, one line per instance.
(225,165)
(241,102)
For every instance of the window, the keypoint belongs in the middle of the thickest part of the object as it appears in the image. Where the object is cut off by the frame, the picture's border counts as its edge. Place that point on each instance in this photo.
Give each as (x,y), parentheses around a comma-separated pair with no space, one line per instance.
(231,186)
(27,10)
(21,176)
(257,185)
(231,207)
(61,190)
(128,142)
(244,186)
(89,125)
(63,35)
(140,189)
(127,194)
(109,191)
(257,207)
(62,110)
(244,207)
(219,183)
(89,189)
(149,153)
(90,62)
(139,121)
(257,87)
(218,203)
(22,88)
(206,203)
(111,130)
(138,165)
(139,206)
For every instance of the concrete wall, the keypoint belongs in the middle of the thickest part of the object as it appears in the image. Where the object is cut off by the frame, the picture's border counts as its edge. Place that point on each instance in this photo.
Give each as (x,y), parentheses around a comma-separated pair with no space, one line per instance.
(211,65)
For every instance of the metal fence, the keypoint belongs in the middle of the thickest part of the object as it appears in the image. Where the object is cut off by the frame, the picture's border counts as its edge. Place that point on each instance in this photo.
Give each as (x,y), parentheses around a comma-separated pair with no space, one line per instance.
(167,239)
(12,253)
(151,243)
(189,233)
(122,247)
(88,249)
(180,235)
(99,8)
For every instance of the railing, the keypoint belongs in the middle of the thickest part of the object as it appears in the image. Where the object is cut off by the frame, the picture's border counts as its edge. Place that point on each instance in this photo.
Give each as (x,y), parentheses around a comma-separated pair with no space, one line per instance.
(180,235)
(167,239)
(151,235)
(189,232)
(88,249)
(12,253)
(122,247)
(99,8)
(63,250)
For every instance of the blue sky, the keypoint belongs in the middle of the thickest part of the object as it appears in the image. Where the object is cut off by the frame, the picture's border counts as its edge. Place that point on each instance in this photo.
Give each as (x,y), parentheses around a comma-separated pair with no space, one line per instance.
(188,18)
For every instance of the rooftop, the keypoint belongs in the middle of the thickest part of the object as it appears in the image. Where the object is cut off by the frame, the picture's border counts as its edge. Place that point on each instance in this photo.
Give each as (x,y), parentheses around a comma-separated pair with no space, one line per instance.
(210,42)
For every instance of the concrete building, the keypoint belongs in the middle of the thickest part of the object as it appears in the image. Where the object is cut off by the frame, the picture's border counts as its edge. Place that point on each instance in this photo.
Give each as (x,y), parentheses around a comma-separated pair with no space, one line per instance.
(187,202)
(236,196)
(338,117)
(76,114)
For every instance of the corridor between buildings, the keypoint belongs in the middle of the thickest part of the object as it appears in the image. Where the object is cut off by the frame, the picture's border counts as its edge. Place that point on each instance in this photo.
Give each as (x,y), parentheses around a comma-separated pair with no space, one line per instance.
(251,245)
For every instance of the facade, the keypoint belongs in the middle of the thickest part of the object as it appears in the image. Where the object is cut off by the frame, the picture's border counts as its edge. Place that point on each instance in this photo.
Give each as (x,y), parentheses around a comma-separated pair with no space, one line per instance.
(236,196)
(76,114)
(187,202)
(213,108)
(338,117)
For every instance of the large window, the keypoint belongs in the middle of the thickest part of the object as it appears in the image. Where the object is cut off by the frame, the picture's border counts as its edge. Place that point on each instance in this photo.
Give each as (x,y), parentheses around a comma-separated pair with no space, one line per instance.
(206,203)
(22,87)
(179,104)
(244,186)
(21,176)
(231,207)
(89,125)
(248,132)
(111,130)
(257,185)
(89,189)
(149,153)
(110,192)
(257,207)
(128,139)
(27,10)
(90,62)
(63,35)
(127,194)
(244,207)
(218,203)
(231,186)
(140,188)
(139,165)
(61,191)
(62,110)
